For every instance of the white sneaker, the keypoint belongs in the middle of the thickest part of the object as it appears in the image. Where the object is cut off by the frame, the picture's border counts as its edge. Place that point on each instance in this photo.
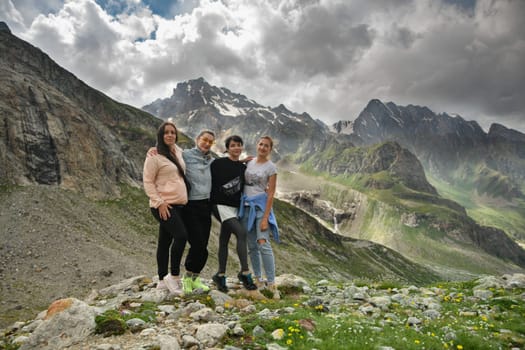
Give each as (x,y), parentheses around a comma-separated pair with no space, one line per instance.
(162,285)
(260,283)
(174,284)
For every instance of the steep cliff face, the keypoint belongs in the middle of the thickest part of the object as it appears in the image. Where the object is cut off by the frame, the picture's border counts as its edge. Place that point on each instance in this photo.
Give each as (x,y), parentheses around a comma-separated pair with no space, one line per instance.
(507,154)
(57,130)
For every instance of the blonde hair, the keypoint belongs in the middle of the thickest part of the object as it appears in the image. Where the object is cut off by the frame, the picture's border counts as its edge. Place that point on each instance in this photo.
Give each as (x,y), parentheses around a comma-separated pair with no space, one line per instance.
(267,138)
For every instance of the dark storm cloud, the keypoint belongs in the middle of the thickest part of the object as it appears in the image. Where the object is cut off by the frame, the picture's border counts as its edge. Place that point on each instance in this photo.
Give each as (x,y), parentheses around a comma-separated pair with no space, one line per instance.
(323,41)
(327,58)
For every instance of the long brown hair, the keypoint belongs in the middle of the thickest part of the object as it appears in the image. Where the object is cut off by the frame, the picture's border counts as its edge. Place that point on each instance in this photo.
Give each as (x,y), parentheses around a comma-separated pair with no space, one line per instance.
(164,150)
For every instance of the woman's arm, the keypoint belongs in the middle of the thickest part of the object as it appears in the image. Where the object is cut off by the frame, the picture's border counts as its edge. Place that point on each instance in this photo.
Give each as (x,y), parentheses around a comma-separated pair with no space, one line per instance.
(272,184)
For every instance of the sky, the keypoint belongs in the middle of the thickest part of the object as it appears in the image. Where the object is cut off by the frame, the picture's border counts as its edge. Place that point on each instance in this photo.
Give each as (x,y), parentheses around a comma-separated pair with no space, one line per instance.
(327,58)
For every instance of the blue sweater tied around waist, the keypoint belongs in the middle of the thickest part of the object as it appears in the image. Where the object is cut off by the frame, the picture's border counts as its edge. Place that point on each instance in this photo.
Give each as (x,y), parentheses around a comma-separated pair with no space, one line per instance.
(258,201)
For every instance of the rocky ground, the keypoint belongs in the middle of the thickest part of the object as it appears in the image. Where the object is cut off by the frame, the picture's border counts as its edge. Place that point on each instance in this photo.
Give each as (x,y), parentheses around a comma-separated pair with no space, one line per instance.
(242,319)
(54,245)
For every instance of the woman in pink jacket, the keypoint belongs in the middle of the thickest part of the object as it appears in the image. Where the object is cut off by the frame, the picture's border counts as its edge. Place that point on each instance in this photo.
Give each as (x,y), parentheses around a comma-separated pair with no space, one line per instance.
(165,184)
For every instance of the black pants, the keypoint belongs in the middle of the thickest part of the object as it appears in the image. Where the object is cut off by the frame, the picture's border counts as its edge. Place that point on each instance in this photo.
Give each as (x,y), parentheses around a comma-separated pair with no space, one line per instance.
(197,219)
(229,226)
(172,237)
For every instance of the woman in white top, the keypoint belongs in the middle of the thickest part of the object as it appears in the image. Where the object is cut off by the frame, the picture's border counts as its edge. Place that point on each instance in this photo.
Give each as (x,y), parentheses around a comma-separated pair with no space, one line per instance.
(257,214)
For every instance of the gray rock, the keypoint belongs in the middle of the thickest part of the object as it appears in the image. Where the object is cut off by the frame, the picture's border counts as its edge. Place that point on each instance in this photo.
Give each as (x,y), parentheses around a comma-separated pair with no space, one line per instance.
(136,324)
(258,330)
(238,331)
(122,286)
(382,302)
(489,282)
(188,341)
(516,280)
(167,308)
(167,342)
(64,328)
(108,347)
(431,314)
(289,280)
(483,294)
(412,321)
(209,334)
(205,314)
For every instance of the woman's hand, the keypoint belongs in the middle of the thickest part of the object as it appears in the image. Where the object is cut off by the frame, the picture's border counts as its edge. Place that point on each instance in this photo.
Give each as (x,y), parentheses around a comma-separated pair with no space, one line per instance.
(164,211)
(152,151)
(264,224)
(247,159)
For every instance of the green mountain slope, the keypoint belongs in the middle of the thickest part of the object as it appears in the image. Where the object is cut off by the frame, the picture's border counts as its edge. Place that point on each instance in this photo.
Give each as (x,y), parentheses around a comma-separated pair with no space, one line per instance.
(395,209)
(507,215)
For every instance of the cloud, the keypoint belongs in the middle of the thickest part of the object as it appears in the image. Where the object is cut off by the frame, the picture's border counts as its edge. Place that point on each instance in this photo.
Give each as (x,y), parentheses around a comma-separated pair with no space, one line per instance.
(324,57)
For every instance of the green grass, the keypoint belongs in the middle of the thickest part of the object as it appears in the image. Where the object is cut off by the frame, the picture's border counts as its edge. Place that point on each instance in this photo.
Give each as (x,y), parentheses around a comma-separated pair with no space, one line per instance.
(347,328)
(113,322)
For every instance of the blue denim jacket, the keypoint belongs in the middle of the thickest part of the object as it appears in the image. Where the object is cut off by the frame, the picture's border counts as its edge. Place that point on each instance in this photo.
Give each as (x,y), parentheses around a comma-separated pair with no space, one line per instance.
(259,201)
(198,173)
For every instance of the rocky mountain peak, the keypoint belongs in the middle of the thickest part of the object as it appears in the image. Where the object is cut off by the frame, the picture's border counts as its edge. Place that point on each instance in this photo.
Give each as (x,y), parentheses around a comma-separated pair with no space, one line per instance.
(282,109)
(4,27)
(500,131)
(192,95)
(197,105)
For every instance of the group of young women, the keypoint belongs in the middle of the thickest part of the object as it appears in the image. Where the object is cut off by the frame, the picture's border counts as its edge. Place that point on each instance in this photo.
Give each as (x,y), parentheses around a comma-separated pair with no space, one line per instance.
(186,187)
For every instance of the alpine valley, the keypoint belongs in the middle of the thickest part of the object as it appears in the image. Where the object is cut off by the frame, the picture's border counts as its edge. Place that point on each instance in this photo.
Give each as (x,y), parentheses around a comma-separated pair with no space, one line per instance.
(399,193)
(367,179)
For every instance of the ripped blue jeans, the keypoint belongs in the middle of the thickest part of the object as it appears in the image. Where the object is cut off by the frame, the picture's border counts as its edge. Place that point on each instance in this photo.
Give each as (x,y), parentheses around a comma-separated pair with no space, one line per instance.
(259,251)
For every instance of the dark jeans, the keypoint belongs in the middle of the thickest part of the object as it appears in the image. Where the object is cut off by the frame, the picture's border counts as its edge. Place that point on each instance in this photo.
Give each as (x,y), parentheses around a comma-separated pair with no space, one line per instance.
(172,234)
(197,219)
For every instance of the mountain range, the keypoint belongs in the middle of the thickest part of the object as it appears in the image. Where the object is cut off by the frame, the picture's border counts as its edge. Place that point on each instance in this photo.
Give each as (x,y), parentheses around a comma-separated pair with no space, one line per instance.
(449,147)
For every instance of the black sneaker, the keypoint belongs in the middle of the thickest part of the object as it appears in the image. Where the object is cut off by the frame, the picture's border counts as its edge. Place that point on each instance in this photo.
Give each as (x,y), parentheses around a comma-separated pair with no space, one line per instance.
(220,282)
(247,281)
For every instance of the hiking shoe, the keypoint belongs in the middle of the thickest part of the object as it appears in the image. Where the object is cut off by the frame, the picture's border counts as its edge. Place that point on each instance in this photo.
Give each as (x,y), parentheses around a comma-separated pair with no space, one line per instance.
(187,285)
(173,284)
(220,282)
(247,281)
(198,285)
(273,288)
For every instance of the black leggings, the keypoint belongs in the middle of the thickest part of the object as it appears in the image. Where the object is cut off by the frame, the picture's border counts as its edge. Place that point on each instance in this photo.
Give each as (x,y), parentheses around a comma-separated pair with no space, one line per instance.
(172,233)
(227,228)
(197,218)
